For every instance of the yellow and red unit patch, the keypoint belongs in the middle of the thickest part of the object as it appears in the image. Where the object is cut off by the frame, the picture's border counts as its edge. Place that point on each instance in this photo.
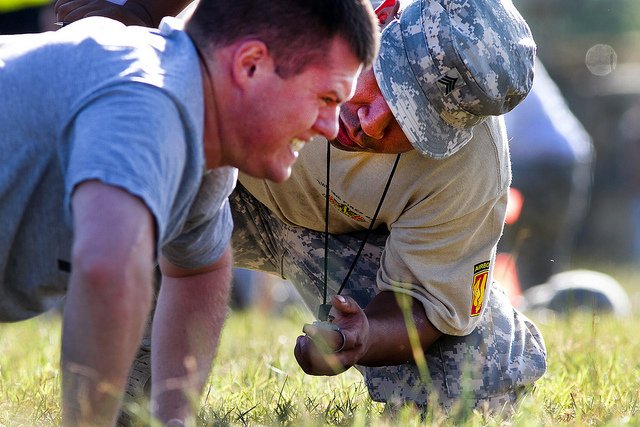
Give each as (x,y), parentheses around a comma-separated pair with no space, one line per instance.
(345,209)
(480,277)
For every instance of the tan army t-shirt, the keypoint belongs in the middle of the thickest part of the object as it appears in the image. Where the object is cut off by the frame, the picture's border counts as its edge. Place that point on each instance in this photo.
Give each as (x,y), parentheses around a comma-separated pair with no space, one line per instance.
(444,216)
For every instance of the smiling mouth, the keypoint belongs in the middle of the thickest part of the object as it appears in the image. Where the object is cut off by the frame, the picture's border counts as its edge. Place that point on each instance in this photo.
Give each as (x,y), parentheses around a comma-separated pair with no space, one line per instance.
(344,139)
(296,144)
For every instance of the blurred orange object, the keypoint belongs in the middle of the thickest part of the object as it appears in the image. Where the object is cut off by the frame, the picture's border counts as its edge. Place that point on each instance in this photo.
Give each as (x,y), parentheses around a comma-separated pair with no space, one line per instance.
(506,273)
(505,270)
(514,206)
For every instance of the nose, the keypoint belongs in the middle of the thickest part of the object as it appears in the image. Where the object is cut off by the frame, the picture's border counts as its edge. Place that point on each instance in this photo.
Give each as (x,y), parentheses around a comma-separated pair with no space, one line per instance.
(375,117)
(327,122)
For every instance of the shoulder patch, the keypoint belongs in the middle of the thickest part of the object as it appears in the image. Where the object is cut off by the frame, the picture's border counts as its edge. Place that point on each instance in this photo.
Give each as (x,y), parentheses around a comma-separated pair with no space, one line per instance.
(480,276)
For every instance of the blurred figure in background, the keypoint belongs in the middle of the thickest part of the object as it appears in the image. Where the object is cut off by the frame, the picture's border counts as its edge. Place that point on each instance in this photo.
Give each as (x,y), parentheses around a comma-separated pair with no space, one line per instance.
(251,289)
(552,157)
(630,129)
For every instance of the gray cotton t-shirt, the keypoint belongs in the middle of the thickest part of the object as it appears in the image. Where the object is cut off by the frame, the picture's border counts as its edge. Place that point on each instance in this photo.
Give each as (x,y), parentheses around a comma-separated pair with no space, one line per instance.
(98,100)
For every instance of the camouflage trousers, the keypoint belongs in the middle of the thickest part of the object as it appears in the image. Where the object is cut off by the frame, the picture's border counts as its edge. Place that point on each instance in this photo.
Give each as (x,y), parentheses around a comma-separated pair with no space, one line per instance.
(487,369)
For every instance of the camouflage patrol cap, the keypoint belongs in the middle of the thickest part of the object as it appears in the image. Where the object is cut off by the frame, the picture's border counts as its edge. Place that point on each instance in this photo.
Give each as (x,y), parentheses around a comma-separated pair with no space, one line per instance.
(445,65)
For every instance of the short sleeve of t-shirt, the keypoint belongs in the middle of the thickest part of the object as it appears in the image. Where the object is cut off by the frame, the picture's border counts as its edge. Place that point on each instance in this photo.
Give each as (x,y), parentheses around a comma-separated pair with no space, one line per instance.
(131,136)
(454,258)
(207,231)
(441,249)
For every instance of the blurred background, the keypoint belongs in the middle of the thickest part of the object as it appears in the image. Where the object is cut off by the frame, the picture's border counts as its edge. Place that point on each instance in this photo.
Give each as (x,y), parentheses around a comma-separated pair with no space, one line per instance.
(591,49)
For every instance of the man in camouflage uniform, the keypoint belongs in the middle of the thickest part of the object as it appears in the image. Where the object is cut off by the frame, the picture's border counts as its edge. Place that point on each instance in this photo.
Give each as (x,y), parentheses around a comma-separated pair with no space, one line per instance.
(446,70)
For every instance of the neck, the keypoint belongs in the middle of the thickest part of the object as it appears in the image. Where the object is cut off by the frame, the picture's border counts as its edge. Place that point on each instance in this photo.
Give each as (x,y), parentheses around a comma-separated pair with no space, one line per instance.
(211,137)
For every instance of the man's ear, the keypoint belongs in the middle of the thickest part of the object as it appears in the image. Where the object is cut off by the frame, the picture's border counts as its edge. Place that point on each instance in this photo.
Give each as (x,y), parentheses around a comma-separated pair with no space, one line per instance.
(250,57)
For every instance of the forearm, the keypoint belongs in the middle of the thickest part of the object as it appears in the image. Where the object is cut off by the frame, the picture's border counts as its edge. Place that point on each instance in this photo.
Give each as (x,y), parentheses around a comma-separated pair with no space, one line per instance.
(186,328)
(107,302)
(388,342)
(102,329)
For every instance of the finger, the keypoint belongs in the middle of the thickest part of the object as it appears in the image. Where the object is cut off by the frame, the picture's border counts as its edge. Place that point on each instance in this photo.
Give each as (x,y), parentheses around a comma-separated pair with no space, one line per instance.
(78,9)
(94,8)
(344,342)
(340,303)
(345,305)
(313,361)
(327,340)
(64,7)
(58,4)
(301,354)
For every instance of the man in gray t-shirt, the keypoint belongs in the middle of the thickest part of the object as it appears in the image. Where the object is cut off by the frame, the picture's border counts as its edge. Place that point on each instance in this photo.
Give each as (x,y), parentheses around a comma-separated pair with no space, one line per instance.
(120,149)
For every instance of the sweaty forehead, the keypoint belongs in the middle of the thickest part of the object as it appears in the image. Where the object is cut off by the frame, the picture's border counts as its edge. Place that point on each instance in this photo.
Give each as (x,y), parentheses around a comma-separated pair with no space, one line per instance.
(368,81)
(341,70)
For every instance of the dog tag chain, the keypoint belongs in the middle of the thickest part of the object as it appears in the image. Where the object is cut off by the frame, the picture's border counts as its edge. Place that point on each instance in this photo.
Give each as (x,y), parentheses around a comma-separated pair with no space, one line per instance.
(323,311)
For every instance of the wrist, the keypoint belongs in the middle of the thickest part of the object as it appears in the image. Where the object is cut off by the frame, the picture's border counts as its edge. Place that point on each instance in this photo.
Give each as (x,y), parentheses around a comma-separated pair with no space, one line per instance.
(369,351)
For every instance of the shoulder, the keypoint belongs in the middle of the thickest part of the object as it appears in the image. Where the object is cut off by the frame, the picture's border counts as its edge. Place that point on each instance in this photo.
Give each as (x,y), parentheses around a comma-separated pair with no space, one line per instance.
(215,187)
(140,49)
(484,160)
(491,134)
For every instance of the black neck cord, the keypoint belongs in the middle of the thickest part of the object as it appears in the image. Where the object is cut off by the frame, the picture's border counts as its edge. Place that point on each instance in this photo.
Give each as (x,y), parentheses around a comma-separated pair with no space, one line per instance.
(323,313)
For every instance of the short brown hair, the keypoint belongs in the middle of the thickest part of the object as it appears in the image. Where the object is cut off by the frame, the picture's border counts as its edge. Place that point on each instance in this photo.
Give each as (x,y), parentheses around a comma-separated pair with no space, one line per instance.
(296,32)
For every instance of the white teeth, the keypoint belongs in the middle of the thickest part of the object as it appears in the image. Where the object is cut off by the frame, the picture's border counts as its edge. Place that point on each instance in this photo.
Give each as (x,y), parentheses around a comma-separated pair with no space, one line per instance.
(296,144)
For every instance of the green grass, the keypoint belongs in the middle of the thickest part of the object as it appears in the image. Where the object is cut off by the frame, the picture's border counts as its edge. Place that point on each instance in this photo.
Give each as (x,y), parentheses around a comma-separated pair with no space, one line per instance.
(593,377)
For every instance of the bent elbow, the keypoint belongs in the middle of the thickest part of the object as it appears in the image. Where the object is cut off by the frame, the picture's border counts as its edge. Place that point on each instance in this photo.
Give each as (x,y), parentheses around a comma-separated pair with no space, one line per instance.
(106,279)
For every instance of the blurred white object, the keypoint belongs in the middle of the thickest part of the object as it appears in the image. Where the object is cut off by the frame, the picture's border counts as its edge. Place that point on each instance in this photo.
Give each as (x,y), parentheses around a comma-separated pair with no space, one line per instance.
(579,290)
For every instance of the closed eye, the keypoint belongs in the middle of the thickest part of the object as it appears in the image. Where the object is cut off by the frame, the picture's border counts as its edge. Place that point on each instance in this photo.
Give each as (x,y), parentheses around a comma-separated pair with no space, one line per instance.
(330,101)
